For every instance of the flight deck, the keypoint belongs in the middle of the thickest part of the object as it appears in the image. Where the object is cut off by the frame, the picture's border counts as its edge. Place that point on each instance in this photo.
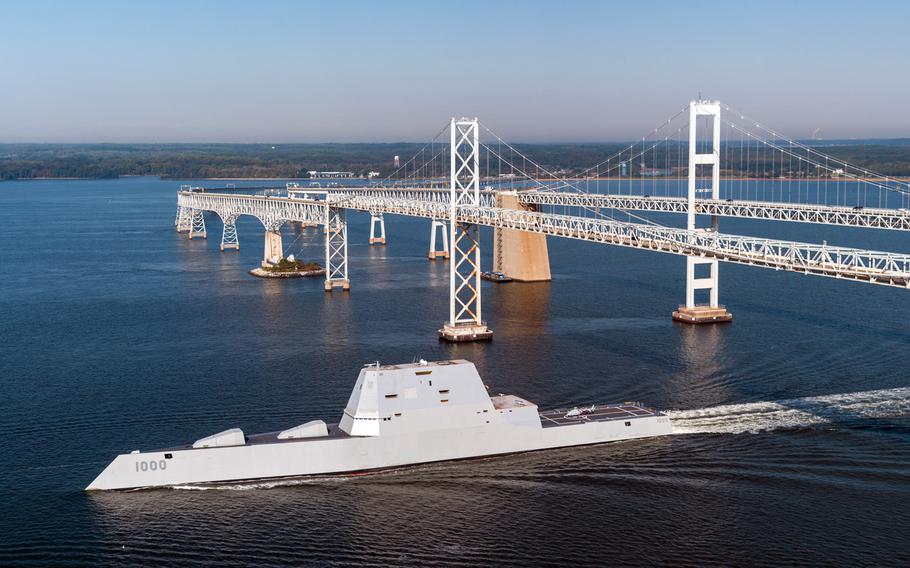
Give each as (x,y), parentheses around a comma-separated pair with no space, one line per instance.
(595,413)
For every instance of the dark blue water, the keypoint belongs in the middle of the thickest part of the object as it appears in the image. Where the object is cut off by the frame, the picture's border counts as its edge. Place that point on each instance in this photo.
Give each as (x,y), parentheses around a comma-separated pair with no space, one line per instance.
(116,333)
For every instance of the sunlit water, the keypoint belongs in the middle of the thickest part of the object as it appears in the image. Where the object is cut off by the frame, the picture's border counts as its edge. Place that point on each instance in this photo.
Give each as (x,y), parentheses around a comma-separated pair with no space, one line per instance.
(793,423)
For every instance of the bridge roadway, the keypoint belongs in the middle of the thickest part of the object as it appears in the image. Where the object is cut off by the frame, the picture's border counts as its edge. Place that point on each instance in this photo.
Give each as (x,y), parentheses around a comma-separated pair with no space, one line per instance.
(895,219)
(890,269)
(871,218)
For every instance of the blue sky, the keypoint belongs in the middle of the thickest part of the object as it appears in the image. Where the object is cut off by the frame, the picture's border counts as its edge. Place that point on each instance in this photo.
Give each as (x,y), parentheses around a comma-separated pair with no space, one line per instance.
(374,71)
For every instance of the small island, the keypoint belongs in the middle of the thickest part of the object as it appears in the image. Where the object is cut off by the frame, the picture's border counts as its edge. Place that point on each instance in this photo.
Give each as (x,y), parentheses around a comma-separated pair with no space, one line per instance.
(288,268)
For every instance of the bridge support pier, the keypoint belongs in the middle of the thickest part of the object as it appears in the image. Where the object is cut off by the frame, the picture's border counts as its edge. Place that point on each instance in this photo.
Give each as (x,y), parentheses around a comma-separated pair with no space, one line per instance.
(197,225)
(519,254)
(229,238)
(184,221)
(274,248)
(377,219)
(444,239)
(336,250)
(692,312)
(712,312)
(465,322)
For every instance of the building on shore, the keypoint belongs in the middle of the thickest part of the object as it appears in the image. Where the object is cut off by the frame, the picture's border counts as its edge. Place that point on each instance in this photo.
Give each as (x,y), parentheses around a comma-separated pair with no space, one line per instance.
(330,175)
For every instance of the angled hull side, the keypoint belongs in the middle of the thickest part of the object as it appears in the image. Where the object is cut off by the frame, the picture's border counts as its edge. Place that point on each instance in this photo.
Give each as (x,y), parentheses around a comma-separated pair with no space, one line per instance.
(347,454)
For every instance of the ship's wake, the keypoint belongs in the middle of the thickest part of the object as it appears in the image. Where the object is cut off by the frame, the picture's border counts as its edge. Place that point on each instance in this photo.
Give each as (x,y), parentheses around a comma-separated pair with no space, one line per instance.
(320,480)
(793,413)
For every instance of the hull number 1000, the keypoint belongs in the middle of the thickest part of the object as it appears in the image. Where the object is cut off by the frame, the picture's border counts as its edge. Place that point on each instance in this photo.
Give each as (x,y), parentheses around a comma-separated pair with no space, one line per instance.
(153,465)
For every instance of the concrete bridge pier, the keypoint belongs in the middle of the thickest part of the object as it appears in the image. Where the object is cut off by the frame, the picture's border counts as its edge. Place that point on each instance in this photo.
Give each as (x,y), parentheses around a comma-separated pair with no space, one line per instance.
(377,219)
(273,248)
(444,237)
(344,284)
(520,254)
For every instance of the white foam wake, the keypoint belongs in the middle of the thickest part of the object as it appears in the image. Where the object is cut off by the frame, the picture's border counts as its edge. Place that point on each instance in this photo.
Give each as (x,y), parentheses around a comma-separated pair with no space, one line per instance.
(794,413)
(262,484)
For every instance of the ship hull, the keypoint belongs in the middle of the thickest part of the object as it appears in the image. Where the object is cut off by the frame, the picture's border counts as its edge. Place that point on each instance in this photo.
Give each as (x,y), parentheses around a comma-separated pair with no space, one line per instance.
(342,454)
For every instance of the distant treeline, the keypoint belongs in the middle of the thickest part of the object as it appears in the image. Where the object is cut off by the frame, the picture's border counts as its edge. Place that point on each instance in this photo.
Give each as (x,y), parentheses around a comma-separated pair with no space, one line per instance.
(201,161)
(194,161)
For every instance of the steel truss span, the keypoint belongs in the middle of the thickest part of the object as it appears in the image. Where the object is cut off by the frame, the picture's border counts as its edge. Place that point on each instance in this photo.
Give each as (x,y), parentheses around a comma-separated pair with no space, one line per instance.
(803,213)
(433,195)
(272,212)
(870,218)
(874,267)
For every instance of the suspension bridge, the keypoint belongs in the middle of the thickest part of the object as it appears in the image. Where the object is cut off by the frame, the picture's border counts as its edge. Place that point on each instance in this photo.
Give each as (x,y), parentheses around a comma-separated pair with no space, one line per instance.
(707,161)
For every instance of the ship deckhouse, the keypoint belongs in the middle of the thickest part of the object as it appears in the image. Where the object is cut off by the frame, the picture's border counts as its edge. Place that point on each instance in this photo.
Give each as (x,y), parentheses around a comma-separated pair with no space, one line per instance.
(402,399)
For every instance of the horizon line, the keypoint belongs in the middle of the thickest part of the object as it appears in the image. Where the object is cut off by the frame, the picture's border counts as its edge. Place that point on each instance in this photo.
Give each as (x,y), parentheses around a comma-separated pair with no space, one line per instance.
(301,143)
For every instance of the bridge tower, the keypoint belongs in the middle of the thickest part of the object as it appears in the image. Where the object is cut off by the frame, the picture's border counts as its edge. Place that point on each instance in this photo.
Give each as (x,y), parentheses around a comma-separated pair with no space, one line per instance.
(377,219)
(465,322)
(701,272)
(438,226)
(336,248)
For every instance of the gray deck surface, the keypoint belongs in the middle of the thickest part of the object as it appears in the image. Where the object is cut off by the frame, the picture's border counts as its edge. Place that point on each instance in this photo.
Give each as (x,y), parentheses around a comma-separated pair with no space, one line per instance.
(548,419)
(552,418)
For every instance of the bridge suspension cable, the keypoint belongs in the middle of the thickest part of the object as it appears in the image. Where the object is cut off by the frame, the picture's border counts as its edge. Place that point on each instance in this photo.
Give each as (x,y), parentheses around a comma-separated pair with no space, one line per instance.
(774,163)
(562,182)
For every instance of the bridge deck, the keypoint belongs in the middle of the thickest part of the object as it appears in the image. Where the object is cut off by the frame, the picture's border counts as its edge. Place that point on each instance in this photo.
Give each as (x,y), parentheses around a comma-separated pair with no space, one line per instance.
(891,269)
(867,217)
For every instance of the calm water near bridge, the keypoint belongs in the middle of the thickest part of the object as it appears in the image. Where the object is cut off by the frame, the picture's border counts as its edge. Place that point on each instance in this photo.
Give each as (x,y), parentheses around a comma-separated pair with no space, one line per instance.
(116,333)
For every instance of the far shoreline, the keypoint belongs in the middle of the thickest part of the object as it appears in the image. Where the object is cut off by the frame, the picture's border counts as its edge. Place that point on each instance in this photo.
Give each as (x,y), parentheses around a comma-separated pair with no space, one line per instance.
(573,180)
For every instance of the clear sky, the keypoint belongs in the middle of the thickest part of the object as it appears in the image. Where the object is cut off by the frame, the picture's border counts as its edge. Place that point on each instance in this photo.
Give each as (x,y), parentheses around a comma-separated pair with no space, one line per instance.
(260,71)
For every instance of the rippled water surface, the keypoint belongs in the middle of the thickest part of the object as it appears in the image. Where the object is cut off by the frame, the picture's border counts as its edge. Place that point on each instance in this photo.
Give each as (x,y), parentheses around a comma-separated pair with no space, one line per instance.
(793,443)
